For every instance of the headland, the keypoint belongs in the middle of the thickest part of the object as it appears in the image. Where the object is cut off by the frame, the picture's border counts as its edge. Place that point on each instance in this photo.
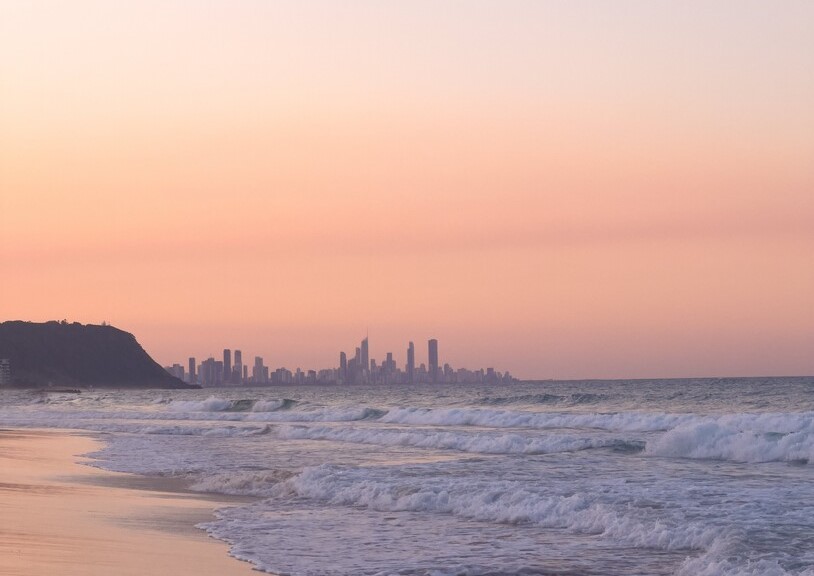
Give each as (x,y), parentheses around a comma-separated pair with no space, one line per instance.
(73,355)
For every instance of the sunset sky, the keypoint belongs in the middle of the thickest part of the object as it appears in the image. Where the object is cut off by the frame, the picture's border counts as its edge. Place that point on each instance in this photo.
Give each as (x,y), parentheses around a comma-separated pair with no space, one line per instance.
(562,189)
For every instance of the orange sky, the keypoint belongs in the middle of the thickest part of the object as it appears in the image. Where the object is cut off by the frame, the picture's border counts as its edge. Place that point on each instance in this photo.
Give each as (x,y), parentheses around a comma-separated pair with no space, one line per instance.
(569,189)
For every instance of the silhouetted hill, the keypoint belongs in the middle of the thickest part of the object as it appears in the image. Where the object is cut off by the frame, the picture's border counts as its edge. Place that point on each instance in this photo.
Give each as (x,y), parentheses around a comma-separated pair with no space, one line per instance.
(65,354)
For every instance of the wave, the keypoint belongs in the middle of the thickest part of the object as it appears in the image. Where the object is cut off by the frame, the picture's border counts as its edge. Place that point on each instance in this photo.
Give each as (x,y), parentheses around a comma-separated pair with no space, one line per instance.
(723,439)
(719,560)
(499,501)
(276,410)
(502,502)
(610,515)
(178,430)
(320,415)
(739,437)
(252,483)
(215,404)
(273,405)
(462,441)
(569,399)
(286,411)
(617,422)
(140,427)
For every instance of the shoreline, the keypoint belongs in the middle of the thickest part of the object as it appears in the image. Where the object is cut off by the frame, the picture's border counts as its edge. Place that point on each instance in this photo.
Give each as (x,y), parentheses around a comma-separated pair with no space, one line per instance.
(62,516)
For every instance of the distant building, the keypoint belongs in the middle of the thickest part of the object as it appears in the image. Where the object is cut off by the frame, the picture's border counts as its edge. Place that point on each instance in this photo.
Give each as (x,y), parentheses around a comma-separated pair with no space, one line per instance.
(5,371)
(365,356)
(432,346)
(355,373)
(227,365)
(193,377)
(176,370)
(389,365)
(260,373)
(282,376)
(208,376)
(411,363)
(237,369)
(343,368)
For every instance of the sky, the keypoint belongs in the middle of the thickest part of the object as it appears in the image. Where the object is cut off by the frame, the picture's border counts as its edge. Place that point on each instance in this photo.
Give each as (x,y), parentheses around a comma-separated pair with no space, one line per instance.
(562,189)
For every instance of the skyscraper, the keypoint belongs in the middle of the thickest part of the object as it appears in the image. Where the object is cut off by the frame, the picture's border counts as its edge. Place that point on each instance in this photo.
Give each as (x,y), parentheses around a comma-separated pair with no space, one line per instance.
(208,372)
(356,371)
(411,363)
(237,369)
(260,372)
(343,367)
(193,378)
(365,356)
(227,365)
(433,360)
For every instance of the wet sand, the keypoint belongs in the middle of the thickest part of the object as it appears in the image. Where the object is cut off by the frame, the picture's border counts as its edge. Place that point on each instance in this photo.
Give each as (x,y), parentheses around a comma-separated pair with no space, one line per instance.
(58,516)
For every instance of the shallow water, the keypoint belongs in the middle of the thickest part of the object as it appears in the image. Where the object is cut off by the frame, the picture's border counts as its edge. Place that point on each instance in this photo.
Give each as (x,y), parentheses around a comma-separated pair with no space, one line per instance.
(687,477)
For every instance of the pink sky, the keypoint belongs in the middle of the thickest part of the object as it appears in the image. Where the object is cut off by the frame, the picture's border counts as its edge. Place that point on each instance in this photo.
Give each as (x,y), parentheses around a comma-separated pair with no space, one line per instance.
(568,189)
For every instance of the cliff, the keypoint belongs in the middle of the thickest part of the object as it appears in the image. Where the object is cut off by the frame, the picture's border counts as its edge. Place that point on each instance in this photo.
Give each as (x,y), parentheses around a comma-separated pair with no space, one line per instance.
(62,354)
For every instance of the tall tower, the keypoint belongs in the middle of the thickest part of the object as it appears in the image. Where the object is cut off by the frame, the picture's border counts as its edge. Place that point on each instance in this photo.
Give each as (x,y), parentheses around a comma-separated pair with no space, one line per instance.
(433,360)
(411,363)
(227,365)
(237,369)
(365,356)
(343,368)
(192,376)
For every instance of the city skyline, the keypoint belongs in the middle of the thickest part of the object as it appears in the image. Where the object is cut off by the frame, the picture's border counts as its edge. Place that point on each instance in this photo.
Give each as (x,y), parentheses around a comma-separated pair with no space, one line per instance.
(359,369)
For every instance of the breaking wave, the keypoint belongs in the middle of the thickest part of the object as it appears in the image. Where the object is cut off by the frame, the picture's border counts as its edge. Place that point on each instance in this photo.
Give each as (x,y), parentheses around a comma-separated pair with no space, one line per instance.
(501,443)
(617,422)
(255,483)
(500,501)
(215,404)
(724,439)
(545,399)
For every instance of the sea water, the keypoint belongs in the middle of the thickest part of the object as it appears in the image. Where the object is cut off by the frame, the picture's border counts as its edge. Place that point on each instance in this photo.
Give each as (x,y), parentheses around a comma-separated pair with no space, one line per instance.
(683,477)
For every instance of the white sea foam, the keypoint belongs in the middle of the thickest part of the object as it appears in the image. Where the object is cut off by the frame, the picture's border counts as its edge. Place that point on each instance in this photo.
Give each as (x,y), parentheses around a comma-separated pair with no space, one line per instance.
(497,501)
(193,411)
(728,439)
(273,410)
(253,483)
(483,443)
(272,405)
(216,404)
(620,421)
(739,437)
(723,558)
(319,415)
(211,404)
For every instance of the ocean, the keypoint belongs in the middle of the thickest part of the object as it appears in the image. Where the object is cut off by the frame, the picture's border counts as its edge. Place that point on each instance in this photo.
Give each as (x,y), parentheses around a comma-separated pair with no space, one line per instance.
(640,477)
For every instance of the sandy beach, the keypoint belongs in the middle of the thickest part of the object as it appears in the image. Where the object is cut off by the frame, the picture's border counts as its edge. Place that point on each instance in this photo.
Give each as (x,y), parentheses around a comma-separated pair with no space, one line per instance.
(58,516)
